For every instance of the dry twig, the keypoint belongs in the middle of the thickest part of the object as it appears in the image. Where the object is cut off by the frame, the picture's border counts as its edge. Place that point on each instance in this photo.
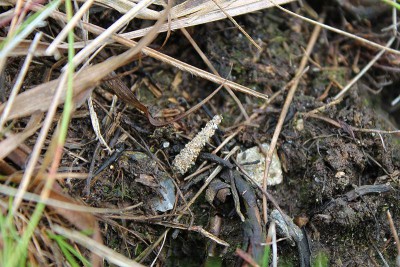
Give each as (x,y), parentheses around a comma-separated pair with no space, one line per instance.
(284,111)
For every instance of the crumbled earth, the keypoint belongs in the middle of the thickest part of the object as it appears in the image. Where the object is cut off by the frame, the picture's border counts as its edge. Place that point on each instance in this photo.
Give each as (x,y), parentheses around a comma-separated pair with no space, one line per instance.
(321,162)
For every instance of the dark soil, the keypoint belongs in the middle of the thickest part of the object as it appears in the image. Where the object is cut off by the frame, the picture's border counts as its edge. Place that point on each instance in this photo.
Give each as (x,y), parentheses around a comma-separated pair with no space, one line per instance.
(323,164)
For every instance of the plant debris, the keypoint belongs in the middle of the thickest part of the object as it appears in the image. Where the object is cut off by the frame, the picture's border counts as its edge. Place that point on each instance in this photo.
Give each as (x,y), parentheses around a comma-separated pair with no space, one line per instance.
(115,181)
(186,158)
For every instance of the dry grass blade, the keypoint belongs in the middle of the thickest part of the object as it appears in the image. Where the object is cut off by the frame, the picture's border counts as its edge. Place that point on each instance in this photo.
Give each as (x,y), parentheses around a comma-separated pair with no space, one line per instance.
(124,6)
(18,83)
(13,42)
(364,70)
(83,220)
(159,251)
(272,234)
(85,52)
(96,124)
(198,17)
(192,9)
(58,93)
(238,26)
(40,97)
(16,177)
(333,29)
(23,49)
(61,202)
(211,67)
(395,236)
(71,24)
(40,160)
(164,58)
(285,108)
(14,140)
(95,247)
(191,13)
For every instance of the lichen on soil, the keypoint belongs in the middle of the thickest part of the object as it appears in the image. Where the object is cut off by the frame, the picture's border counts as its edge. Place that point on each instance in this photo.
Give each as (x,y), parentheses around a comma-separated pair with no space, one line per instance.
(321,162)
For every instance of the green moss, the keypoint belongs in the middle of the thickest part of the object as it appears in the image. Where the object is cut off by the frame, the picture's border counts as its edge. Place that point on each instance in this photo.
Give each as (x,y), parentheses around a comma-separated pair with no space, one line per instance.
(321,260)
(213,262)
(286,262)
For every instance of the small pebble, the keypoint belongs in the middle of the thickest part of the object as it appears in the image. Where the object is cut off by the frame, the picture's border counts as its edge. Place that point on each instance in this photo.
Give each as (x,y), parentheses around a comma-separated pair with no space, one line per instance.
(253,162)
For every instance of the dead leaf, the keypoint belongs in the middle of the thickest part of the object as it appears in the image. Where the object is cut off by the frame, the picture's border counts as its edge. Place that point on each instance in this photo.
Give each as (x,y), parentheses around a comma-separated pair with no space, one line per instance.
(14,140)
(147,180)
(84,221)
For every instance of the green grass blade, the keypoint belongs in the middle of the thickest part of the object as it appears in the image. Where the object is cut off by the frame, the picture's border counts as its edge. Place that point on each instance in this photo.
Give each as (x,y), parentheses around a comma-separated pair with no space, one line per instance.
(21,249)
(69,251)
(265,259)
(68,256)
(393,4)
(68,105)
(9,237)
(26,28)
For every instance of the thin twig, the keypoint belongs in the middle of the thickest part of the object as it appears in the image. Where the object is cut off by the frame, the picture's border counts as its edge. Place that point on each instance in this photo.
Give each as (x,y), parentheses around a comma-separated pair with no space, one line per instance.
(323,108)
(37,149)
(10,191)
(52,110)
(71,24)
(95,247)
(163,58)
(354,129)
(159,251)
(364,70)
(212,68)
(237,25)
(333,29)
(284,112)
(188,205)
(394,232)
(110,31)
(96,125)
(246,257)
(208,180)
(20,79)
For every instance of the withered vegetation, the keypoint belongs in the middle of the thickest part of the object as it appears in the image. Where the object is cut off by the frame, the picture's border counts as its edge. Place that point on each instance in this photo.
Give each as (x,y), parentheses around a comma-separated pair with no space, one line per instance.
(113,150)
